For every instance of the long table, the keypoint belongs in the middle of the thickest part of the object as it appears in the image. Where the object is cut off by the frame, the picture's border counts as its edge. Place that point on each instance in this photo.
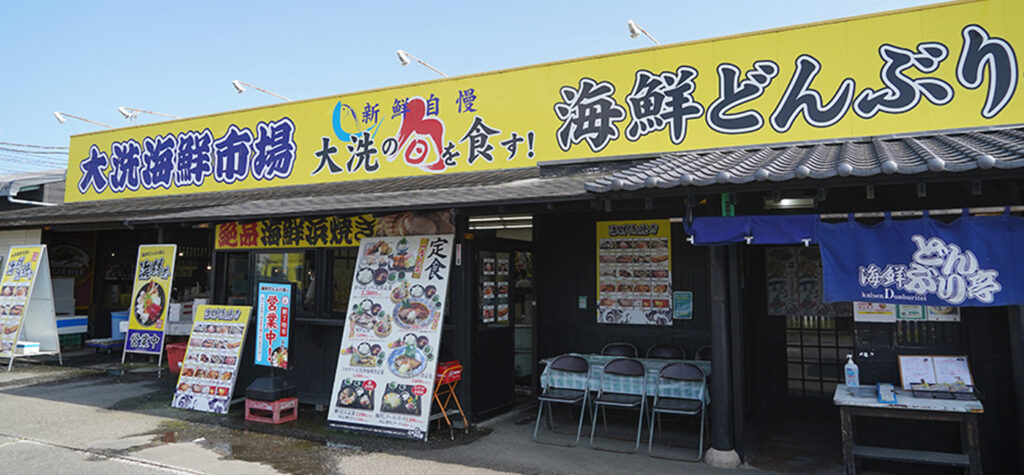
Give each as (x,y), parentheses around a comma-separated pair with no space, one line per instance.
(909,407)
(681,389)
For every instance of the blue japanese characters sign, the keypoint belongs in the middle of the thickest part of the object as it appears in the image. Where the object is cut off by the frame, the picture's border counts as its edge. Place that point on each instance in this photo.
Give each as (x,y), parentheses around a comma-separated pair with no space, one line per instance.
(971,262)
(274,315)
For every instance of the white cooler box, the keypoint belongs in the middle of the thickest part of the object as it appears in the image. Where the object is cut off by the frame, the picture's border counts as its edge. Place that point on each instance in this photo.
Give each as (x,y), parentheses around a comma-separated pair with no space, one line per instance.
(27,348)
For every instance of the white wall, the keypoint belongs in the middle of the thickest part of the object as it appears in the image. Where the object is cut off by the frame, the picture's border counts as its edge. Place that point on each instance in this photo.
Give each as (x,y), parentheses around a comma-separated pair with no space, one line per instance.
(19,237)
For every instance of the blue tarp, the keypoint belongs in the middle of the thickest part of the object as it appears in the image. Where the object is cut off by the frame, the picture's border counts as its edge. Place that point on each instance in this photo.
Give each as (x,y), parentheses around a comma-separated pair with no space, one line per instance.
(973,261)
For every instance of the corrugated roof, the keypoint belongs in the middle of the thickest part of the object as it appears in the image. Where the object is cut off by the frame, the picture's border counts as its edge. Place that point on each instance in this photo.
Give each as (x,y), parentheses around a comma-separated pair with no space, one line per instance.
(952,152)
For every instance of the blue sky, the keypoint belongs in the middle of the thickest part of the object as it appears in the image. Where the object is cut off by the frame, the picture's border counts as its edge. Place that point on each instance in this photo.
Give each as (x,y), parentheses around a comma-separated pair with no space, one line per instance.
(88,58)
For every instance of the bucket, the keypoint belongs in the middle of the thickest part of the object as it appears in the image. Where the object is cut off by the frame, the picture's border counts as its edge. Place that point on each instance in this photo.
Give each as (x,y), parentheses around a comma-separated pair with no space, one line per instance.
(175,355)
(115,324)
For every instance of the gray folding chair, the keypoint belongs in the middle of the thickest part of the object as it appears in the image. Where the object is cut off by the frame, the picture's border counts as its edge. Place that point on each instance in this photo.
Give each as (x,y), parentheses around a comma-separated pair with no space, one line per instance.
(676,373)
(620,349)
(704,353)
(666,352)
(614,373)
(554,392)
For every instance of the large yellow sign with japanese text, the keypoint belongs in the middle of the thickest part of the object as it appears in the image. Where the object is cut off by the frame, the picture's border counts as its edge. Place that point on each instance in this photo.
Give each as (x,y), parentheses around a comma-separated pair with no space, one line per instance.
(929,68)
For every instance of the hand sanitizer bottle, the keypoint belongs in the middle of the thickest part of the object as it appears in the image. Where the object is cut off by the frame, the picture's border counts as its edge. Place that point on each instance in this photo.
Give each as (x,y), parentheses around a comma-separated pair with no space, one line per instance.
(852,372)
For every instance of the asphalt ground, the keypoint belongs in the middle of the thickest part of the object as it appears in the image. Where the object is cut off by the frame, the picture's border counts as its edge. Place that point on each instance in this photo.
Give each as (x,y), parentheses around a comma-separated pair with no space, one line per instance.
(96,416)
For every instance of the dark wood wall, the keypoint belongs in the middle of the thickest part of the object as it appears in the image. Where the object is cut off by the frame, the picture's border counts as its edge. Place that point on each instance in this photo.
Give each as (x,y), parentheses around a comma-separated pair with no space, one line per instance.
(566,270)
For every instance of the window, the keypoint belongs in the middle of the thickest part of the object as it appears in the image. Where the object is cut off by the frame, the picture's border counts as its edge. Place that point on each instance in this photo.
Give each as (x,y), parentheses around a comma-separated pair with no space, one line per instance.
(343,267)
(298,267)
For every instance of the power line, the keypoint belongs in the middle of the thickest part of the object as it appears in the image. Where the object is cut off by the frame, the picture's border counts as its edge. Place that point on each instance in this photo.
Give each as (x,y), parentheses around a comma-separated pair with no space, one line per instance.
(35,152)
(27,145)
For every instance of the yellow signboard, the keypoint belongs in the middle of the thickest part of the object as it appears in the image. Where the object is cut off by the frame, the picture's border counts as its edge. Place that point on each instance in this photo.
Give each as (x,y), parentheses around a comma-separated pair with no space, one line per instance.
(151,297)
(289,233)
(939,67)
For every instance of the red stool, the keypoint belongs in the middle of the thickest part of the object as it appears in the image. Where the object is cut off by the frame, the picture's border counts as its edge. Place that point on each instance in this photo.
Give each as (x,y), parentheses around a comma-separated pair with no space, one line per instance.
(272,412)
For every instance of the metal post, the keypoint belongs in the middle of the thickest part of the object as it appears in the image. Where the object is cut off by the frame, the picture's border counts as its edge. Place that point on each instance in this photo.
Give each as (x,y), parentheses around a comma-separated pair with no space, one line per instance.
(722,452)
(1017,368)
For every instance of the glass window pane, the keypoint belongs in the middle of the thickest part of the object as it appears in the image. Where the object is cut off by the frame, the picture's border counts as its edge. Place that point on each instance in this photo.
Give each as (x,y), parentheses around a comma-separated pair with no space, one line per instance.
(294,267)
(343,262)
(795,371)
(237,279)
(792,337)
(793,353)
(796,387)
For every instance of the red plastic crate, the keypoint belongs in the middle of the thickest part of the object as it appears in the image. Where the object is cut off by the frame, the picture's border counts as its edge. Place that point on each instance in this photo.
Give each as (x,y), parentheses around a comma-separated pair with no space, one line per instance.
(272,412)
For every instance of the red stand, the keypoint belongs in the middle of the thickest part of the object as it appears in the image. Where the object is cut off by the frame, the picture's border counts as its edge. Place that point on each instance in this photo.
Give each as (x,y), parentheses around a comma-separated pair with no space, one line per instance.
(272,412)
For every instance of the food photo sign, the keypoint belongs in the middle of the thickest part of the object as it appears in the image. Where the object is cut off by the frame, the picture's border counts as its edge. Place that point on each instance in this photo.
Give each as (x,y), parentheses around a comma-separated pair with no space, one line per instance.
(151,294)
(385,376)
(273,317)
(26,304)
(634,272)
(208,373)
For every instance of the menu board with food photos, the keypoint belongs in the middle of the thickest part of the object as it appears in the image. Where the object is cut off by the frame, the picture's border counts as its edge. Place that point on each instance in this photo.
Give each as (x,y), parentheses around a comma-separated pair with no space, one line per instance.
(634,272)
(494,287)
(208,373)
(385,376)
(26,303)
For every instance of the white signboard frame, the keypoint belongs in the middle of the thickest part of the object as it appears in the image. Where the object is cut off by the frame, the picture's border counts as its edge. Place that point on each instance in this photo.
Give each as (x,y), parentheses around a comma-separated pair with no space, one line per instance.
(38,322)
(384,381)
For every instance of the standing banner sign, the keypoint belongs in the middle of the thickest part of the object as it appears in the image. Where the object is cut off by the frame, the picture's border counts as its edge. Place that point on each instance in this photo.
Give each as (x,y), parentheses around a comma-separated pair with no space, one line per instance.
(208,373)
(385,376)
(273,317)
(28,324)
(151,297)
(971,262)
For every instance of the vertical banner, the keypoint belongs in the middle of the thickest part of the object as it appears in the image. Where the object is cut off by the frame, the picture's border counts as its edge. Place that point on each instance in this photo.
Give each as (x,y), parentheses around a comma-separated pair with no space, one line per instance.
(208,373)
(273,317)
(634,272)
(151,296)
(26,309)
(385,377)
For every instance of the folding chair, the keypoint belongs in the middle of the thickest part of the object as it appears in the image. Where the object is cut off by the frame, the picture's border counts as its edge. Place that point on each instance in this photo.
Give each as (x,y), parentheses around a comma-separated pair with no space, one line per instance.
(624,373)
(704,353)
(562,389)
(620,349)
(677,374)
(666,352)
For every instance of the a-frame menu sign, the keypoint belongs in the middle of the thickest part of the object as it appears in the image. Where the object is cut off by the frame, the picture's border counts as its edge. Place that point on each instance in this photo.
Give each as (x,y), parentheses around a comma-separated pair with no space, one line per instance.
(28,323)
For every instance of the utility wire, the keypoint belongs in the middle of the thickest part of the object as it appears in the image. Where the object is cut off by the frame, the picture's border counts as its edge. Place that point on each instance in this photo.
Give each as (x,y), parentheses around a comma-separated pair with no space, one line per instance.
(31,146)
(35,152)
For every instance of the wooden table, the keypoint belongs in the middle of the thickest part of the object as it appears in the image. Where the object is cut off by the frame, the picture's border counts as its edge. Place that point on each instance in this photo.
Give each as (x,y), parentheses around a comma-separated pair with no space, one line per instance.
(908,407)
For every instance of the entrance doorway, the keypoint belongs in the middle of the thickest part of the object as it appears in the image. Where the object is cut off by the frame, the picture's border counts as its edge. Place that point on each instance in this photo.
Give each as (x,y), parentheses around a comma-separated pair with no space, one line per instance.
(504,343)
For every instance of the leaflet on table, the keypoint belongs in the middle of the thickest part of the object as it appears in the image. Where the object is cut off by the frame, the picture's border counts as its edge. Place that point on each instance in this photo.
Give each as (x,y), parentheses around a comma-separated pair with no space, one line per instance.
(634,272)
(208,373)
(15,289)
(273,317)
(151,296)
(385,374)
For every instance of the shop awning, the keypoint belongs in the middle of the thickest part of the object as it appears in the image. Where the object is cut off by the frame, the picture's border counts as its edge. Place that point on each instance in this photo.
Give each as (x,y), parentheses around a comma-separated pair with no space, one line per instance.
(990,148)
(522,185)
(756,229)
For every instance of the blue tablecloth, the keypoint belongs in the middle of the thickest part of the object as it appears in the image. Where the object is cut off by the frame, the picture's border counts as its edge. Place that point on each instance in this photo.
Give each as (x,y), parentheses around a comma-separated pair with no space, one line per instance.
(682,389)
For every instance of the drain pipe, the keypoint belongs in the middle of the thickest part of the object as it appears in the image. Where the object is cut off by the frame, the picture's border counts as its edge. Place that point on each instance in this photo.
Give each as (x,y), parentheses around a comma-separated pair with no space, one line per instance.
(16,201)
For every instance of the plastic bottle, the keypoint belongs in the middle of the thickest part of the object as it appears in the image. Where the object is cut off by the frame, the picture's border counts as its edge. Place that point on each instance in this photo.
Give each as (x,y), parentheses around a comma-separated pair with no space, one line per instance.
(852,372)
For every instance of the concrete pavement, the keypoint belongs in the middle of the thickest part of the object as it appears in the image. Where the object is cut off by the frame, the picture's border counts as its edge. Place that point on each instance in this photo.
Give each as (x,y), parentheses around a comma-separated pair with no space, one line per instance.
(93,422)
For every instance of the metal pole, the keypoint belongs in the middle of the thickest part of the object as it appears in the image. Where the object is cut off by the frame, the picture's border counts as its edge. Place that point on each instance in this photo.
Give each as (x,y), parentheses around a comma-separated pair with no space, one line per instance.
(721,374)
